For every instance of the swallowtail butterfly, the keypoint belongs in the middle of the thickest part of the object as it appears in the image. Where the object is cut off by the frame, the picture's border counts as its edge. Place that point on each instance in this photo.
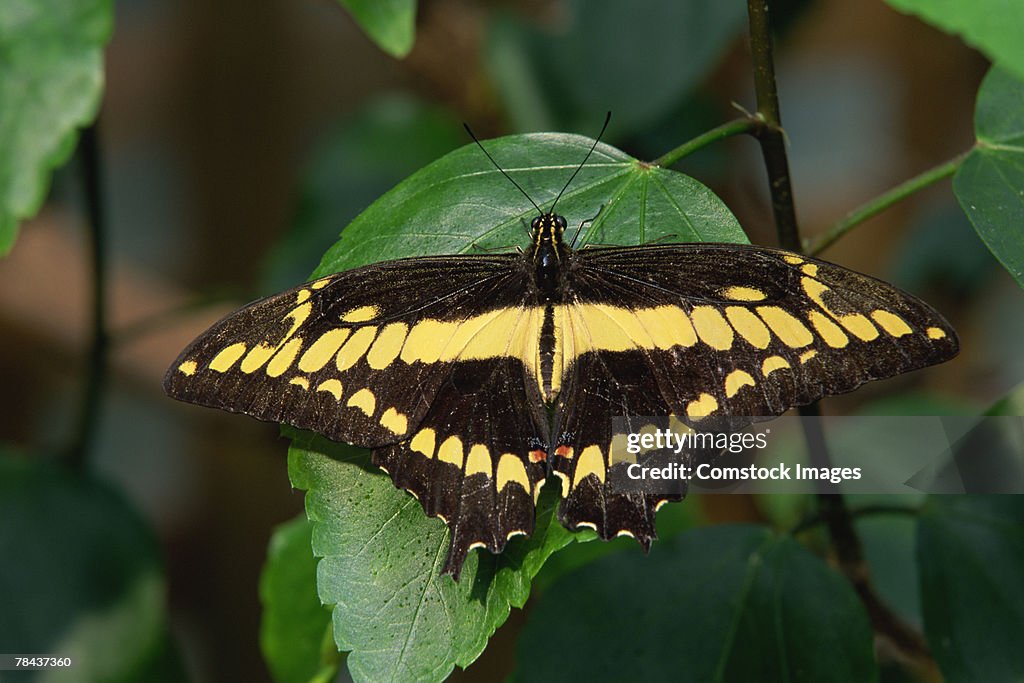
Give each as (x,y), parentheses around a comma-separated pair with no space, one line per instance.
(474,377)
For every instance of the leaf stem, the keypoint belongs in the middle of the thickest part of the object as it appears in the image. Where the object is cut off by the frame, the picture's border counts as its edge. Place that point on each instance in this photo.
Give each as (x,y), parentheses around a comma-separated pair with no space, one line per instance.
(96,370)
(746,124)
(885,200)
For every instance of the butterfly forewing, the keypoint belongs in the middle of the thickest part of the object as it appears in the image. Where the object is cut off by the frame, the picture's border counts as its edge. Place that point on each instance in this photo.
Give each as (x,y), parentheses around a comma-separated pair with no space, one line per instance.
(356,356)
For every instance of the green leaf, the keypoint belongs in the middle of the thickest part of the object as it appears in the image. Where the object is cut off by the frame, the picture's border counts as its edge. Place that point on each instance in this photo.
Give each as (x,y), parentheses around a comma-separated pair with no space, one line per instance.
(638,59)
(672,520)
(461,200)
(51,78)
(294,620)
(990,183)
(389,23)
(992,26)
(727,603)
(79,576)
(970,552)
(381,565)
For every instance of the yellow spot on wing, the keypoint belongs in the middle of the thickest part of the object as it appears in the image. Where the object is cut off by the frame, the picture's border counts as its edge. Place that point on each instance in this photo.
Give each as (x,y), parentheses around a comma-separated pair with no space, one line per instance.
(810,269)
(773,363)
(355,347)
(565,482)
(591,461)
(394,421)
(478,461)
(284,358)
(607,328)
(743,294)
(829,331)
(364,400)
(791,331)
(302,296)
(511,470)
(702,407)
(891,323)
(424,442)
(188,367)
(936,333)
(488,335)
(262,352)
(300,382)
(331,386)
(320,284)
(387,346)
(257,356)
(807,355)
(859,326)
(667,326)
(323,349)
(228,356)
(854,323)
(427,340)
(361,314)
(736,380)
(451,451)
(749,326)
(792,259)
(712,327)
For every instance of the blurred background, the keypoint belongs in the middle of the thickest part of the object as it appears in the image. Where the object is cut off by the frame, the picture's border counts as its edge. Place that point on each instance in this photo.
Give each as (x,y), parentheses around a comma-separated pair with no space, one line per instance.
(239,138)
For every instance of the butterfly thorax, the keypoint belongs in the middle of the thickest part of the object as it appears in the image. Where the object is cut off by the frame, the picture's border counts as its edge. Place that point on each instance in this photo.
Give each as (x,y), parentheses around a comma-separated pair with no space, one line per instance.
(549,253)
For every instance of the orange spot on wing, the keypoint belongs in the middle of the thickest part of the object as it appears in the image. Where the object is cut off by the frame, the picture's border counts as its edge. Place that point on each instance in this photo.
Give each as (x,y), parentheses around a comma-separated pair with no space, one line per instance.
(538,456)
(564,451)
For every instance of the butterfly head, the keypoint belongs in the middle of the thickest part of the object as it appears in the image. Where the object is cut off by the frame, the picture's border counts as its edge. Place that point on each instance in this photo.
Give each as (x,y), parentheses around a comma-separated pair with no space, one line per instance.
(547,229)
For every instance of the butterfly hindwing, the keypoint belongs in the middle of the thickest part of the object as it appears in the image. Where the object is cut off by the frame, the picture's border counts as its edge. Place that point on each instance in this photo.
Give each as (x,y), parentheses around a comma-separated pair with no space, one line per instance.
(604,387)
(477,459)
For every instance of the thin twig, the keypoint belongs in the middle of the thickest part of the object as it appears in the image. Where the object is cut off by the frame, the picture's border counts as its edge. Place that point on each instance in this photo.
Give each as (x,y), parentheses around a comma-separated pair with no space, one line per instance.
(771,135)
(96,370)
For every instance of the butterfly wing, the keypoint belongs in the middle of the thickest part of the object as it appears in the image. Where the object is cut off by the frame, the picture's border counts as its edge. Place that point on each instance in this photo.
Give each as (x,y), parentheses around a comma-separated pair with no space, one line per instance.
(704,330)
(477,459)
(418,359)
(357,356)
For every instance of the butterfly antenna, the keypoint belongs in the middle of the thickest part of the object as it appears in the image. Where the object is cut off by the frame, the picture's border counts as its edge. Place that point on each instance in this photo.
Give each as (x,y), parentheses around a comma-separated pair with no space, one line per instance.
(607,118)
(510,179)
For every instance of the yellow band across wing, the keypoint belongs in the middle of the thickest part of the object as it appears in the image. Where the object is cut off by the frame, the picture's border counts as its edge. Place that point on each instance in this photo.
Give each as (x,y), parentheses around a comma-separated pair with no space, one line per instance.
(578,329)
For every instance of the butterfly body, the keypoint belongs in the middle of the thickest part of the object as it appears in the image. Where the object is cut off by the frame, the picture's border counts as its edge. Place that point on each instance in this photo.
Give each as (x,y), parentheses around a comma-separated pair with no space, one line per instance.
(473,378)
